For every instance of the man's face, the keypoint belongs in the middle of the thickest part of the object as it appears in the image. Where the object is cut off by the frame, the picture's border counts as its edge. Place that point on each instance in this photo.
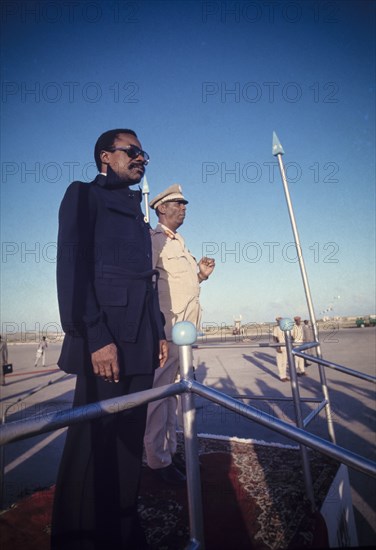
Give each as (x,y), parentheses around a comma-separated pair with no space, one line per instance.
(128,169)
(174,214)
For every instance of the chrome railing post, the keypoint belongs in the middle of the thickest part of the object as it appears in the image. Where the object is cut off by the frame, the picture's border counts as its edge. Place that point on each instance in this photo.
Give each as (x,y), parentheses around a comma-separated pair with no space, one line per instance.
(286,325)
(184,335)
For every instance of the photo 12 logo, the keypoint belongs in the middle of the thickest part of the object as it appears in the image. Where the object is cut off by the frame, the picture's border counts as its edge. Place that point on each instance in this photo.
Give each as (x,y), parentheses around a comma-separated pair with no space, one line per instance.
(29,12)
(47,172)
(271,252)
(69,92)
(269,92)
(253,172)
(24,332)
(271,12)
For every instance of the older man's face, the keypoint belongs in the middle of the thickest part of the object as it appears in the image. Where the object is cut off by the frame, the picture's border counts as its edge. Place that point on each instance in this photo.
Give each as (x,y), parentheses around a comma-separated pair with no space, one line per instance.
(174,214)
(128,169)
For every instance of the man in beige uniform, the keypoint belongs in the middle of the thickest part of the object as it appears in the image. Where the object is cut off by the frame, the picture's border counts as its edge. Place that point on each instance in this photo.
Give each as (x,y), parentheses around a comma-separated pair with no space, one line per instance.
(281,354)
(3,359)
(308,336)
(298,339)
(179,291)
(41,352)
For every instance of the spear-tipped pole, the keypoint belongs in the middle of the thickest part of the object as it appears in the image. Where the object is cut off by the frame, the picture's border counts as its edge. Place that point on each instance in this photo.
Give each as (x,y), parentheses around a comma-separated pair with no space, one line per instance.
(278,152)
(145,192)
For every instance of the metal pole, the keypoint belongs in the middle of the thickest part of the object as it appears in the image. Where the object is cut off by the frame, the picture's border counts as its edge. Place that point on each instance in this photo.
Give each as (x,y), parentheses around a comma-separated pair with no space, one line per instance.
(278,152)
(3,420)
(184,335)
(336,366)
(38,424)
(145,192)
(349,458)
(299,418)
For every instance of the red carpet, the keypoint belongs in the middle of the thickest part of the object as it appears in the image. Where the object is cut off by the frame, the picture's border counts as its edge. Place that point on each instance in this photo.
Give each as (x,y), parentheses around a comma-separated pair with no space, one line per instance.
(253,498)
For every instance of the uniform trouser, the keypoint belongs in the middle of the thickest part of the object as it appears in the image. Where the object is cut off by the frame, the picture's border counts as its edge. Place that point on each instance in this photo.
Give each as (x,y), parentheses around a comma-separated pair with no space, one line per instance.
(96,493)
(308,352)
(299,361)
(282,363)
(160,433)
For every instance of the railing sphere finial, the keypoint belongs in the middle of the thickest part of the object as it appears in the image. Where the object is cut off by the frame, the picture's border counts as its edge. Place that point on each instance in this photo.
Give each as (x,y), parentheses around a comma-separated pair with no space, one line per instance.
(286,324)
(184,333)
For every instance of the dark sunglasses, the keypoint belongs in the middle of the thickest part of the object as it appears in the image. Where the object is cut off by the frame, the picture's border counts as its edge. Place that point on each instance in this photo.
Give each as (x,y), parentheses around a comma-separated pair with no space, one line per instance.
(133,152)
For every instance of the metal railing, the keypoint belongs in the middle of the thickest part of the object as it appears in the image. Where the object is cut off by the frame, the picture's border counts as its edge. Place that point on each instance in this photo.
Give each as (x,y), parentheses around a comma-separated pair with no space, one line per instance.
(184,335)
(3,421)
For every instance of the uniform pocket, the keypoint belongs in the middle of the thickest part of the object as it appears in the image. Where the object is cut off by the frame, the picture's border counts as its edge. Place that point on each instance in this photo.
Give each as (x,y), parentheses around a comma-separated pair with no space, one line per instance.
(109,294)
(175,264)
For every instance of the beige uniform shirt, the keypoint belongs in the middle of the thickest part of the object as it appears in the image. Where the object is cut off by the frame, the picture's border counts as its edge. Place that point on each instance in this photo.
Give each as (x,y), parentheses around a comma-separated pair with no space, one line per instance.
(178,285)
(297,334)
(278,333)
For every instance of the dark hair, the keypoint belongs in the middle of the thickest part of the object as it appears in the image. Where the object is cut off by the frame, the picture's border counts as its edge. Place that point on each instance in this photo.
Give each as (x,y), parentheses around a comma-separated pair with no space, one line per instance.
(106,141)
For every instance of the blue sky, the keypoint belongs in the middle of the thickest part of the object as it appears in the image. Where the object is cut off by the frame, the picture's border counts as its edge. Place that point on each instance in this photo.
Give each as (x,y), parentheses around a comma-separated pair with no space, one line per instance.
(204,84)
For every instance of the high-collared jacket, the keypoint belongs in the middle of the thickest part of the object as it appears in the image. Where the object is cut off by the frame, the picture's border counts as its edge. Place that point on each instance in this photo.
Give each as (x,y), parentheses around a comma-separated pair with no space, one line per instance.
(107,289)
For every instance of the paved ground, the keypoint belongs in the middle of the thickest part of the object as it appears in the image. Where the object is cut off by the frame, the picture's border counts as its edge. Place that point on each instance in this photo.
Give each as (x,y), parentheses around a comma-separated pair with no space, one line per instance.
(248,372)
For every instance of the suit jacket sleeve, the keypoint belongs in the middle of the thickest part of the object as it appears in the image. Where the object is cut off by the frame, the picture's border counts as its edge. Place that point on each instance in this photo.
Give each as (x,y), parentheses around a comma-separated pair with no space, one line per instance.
(79,310)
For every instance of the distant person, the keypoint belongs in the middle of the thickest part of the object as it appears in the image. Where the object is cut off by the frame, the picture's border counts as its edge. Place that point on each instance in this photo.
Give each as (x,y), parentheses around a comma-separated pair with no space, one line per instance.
(307,337)
(179,282)
(41,352)
(4,359)
(281,354)
(298,339)
(114,340)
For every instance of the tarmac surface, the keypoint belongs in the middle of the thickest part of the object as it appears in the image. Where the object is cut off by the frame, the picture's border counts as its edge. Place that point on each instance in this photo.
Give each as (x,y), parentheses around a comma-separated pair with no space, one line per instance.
(241,369)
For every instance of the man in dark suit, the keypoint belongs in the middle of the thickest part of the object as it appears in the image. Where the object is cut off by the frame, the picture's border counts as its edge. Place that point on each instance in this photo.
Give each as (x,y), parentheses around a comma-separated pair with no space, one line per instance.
(114,340)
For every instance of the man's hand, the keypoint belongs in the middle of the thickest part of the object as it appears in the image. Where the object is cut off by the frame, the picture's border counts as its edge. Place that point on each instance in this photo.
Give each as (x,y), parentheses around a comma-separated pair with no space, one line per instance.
(105,363)
(205,266)
(163,352)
